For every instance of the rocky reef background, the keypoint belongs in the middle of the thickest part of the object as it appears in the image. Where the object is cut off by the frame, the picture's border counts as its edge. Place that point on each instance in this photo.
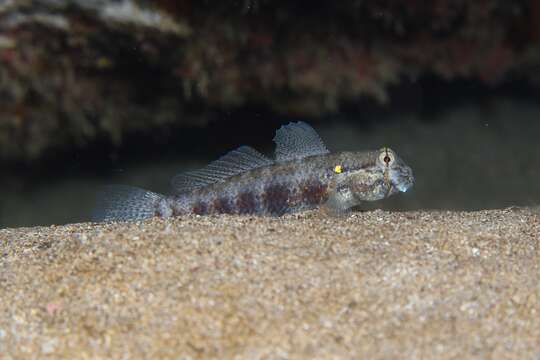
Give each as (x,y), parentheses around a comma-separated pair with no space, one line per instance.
(89,86)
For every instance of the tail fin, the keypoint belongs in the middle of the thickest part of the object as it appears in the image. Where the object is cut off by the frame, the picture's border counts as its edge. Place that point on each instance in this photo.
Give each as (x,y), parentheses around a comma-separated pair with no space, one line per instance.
(121,203)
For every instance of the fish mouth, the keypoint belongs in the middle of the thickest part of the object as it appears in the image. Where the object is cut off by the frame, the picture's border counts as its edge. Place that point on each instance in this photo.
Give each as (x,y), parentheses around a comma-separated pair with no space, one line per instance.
(404,187)
(405,184)
(401,183)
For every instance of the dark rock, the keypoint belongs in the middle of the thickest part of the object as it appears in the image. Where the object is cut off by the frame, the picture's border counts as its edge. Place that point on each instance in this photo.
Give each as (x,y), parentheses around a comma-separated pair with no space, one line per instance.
(72,71)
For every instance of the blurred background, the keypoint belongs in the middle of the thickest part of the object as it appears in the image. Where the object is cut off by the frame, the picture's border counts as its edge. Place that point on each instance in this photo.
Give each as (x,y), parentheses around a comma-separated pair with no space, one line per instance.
(96,92)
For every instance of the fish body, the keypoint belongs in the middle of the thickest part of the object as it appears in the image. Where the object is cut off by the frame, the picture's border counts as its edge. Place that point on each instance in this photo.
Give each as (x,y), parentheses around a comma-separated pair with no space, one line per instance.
(304,175)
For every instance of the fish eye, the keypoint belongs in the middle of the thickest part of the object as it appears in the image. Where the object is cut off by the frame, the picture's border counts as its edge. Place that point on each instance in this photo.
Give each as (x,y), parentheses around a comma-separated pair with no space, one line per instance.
(386,156)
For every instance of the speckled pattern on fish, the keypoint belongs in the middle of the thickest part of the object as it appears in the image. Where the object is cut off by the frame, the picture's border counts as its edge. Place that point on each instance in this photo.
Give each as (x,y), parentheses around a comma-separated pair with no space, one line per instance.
(304,175)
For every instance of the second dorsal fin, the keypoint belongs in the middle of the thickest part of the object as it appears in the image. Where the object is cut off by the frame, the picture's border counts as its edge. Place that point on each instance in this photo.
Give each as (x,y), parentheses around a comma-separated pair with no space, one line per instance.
(296,141)
(235,162)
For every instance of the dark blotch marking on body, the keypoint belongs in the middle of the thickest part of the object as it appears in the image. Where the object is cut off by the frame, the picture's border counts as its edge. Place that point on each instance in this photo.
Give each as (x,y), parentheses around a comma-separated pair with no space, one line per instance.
(200,208)
(223,206)
(276,199)
(176,211)
(314,192)
(246,203)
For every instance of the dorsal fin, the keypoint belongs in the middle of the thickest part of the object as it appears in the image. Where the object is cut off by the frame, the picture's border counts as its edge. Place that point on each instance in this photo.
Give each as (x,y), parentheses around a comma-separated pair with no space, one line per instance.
(235,162)
(296,141)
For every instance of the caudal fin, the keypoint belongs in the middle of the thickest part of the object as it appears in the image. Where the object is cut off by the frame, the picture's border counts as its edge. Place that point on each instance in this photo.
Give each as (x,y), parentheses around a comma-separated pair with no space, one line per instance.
(121,203)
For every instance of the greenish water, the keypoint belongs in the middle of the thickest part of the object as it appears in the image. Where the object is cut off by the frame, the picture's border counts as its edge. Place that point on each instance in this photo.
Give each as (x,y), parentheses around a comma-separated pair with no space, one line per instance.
(469,157)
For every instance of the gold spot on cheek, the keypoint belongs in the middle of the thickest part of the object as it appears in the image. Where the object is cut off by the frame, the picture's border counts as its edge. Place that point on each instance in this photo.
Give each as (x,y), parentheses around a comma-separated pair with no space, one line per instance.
(337,169)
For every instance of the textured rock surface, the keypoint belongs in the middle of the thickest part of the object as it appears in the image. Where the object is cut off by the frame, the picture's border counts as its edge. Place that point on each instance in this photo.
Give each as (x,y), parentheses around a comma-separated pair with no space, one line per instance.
(73,71)
(372,285)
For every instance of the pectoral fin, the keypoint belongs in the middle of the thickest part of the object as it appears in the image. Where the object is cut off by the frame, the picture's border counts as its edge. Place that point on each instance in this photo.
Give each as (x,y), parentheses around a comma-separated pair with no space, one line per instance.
(340,201)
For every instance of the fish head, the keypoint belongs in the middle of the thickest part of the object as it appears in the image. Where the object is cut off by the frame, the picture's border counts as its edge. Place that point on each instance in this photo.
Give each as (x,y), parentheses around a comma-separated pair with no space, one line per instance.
(397,176)
(385,174)
(368,177)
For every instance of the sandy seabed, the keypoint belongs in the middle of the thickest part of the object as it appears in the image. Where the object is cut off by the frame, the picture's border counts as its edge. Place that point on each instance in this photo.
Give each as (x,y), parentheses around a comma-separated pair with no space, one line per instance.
(371,285)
